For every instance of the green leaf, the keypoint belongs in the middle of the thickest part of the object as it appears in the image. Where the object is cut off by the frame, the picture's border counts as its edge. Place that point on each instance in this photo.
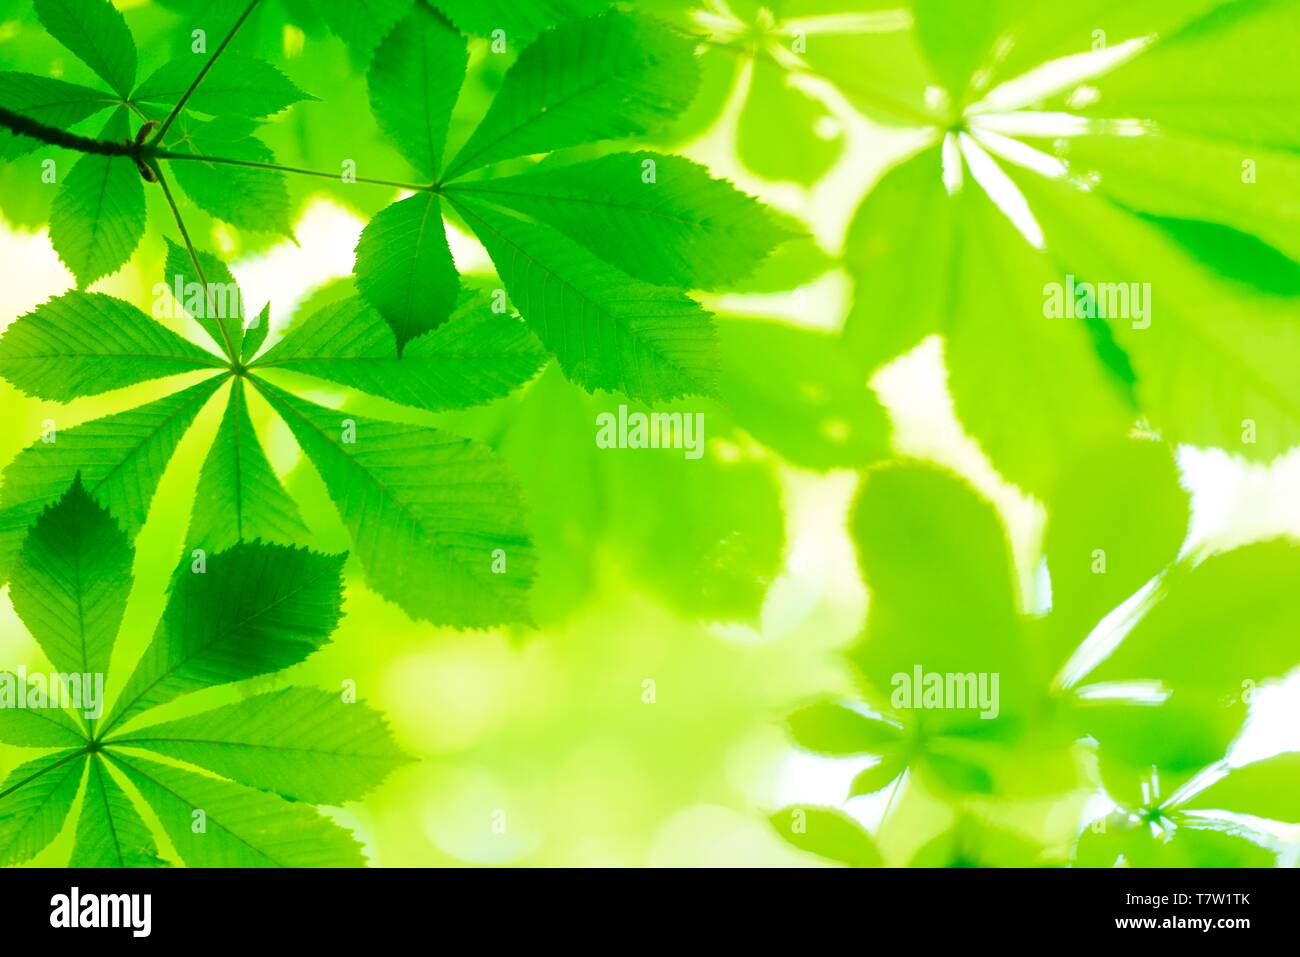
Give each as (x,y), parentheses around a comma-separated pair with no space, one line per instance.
(879,775)
(216,305)
(110,831)
(796,392)
(243,827)
(520,19)
(901,244)
(52,102)
(474,357)
(1247,593)
(97,33)
(827,832)
(1124,841)
(98,214)
(238,496)
(608,330)
(1225,76)
(830,728)
(404,267)
(82,344)
(972,844)
(717,558)
(302,743)
(1116,518)
(255,335)
(943,599)
(34,727)
(361,24)
(1213,359)
(255,609)
(957,37)
(236,85)
(778,133)
(680,228)
(71,582)
(1266,788)
(586,80)
(34,802)
(254,199)
(120,457)
(1215,632)
(435,519)
(414,80)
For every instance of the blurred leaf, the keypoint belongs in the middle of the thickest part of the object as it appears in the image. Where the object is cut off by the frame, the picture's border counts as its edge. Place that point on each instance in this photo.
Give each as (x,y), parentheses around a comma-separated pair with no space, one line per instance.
(794,390)
(1266,788)
(829,728)
(827,833)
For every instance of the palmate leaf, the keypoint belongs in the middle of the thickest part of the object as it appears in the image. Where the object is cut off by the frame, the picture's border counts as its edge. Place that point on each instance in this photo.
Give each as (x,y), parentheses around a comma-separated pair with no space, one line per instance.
(404,267)
(1117,517)
(653,224)
(1092,175)
(34,802)
(236,85)
(98,216)
(243,827)
(238,496)
(252,609)
(81,344)
(304,744)
(97,33)
(585,80)
(121,459)
(53,102)
(659,218)
(1214,631)
(255,609)
(795,391)
(608,330)
(436,519)
(476,356)
(110,831)
(71,582)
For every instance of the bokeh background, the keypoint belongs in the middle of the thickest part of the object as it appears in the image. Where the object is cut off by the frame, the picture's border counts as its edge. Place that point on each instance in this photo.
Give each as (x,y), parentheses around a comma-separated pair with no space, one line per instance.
(683,608)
